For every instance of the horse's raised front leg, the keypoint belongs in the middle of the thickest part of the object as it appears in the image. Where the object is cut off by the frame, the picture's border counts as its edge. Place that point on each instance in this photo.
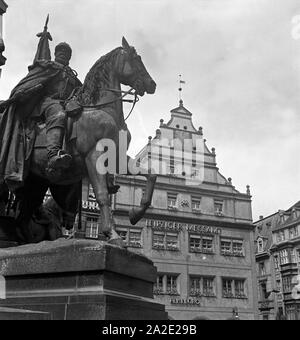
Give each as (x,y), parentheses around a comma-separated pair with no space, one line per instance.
(99,184)
(136,214)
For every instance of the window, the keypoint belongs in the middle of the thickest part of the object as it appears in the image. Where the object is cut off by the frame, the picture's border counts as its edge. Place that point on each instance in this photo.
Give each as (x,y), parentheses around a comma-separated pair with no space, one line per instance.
(239,288)
(202,286)
(262,269)
(158,241)
(208,287)
(284,257)
(264,293)
(290,312)
(172,241)
(293,256)
(92,228)
(135,238)
(227,288)
(172,285)
(219,207)
(226,247)
(234,288)
(207,245)
(131,237)
(172,201)
(276,263)
(196,202)
(286,284)
(280,236)
(293,232)
(159,285)
(165,241)
(195,243)
(230,247)
(201,244)
(166,284)
(237,248)
(260,245)
(278,285)
(195,286)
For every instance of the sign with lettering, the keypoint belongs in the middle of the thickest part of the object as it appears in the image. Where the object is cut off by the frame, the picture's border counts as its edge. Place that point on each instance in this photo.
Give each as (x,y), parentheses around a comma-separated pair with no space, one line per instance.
(186,302)
(177,226)
(90,205)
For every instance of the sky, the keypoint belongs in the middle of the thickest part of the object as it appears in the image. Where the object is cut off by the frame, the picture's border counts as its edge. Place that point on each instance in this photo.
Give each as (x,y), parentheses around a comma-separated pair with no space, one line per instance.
(240,60)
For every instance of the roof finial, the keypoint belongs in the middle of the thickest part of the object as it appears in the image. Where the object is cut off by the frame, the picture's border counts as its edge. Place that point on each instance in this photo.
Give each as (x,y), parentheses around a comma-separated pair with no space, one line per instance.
(180,90)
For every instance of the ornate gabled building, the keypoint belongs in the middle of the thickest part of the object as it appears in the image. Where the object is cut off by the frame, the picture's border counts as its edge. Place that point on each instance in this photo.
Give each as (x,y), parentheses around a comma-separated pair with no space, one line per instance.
(278,263)
(286,253)
(3,8)
(198,231)
(270,302)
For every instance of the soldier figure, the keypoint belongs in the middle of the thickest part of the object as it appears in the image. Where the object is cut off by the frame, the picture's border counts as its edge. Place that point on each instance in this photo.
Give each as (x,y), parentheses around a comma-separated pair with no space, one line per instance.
(56,92)
(42,93)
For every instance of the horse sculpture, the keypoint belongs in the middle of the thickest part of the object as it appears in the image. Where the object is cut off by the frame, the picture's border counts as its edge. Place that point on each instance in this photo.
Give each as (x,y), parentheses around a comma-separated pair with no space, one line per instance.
(102,118)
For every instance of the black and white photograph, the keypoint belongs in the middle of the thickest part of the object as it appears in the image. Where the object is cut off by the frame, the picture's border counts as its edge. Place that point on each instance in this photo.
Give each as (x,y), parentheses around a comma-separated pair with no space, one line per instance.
(150,162)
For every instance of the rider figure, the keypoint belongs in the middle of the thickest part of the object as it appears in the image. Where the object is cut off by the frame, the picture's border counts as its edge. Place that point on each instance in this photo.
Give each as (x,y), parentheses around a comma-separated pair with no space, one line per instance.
(52,107)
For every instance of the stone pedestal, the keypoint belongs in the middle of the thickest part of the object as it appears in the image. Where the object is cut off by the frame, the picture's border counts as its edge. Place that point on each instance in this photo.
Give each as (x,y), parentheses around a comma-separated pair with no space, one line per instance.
(21,314)
(80,280)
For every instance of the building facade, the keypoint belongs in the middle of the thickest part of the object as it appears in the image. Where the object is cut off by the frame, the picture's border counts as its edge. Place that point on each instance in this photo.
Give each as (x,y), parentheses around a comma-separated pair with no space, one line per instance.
(278,259)
(270,302)
(3,8)
(198,231)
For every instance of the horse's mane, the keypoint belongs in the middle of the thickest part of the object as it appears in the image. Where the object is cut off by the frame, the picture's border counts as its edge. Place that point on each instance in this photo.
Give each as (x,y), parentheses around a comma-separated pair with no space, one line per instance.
(97,78)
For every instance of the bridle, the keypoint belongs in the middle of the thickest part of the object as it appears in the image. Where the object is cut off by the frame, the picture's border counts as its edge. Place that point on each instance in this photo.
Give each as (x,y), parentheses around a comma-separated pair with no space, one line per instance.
(123,94)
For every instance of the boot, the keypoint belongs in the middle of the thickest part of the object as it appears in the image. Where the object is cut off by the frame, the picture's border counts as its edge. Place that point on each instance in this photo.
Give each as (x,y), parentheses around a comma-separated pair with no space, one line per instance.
(57,158)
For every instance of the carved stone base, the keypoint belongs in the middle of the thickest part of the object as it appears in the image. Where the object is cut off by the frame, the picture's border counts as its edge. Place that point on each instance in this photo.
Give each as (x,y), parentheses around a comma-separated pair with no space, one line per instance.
(80,280)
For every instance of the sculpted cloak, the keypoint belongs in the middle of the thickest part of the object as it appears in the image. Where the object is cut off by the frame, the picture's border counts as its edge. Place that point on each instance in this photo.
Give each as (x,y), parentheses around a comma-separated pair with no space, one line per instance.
(17,124)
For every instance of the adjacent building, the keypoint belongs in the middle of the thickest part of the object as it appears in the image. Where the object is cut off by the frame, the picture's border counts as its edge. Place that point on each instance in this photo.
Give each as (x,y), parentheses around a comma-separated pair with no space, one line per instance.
(198,232)
(278,259)
(3,8)
(270,302)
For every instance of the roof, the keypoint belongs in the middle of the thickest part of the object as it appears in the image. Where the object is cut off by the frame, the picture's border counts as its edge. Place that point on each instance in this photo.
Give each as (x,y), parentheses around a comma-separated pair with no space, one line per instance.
(181,110)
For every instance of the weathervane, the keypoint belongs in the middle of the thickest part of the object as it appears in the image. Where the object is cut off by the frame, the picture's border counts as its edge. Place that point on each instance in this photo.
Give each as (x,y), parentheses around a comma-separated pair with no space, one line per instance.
(181,82)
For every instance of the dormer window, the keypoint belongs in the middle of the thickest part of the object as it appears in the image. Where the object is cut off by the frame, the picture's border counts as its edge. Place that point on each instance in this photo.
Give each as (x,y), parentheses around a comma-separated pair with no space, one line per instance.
(260,245)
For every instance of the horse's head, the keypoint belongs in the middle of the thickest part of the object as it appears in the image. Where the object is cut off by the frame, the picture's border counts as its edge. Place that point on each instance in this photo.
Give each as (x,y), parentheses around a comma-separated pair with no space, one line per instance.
(133,72)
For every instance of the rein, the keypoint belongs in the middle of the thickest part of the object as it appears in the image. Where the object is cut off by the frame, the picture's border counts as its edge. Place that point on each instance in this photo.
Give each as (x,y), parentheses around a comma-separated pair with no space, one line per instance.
(123,95)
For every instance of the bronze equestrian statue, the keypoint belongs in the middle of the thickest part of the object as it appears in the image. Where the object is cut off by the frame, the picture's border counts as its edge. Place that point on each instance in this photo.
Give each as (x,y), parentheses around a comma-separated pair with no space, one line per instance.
(32,130)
